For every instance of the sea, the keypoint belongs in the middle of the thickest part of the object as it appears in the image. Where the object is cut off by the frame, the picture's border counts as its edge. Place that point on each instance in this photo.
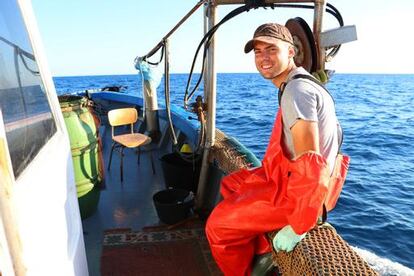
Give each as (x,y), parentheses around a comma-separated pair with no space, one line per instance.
(375,213)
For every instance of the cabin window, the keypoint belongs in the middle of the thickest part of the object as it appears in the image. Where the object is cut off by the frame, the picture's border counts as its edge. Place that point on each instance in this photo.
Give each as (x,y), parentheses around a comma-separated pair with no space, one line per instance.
(27,116)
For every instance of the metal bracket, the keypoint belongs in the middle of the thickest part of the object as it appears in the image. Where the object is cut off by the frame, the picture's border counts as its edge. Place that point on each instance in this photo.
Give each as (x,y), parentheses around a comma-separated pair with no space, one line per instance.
(338,36)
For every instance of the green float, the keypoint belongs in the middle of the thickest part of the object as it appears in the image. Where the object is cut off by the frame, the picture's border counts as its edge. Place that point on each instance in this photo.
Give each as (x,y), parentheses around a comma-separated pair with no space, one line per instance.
(86,151)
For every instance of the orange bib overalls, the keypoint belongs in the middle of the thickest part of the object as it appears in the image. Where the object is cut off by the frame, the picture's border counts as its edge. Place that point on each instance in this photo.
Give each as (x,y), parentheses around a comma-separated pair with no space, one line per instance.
(267,198)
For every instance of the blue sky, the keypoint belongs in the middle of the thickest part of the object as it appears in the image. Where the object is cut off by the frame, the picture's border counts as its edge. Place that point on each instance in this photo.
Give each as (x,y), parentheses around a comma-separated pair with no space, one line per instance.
(92,37)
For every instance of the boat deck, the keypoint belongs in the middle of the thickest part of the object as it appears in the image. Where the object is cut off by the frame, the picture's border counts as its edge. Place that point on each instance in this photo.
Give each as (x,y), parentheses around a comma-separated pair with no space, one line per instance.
(123,205)
(130,205)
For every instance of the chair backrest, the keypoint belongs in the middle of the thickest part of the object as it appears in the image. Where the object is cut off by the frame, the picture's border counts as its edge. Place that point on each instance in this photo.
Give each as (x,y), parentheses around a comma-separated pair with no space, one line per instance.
(122,116)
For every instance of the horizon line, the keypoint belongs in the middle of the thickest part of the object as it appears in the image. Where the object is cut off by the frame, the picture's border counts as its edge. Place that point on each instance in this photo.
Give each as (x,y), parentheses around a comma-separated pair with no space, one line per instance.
(180,73)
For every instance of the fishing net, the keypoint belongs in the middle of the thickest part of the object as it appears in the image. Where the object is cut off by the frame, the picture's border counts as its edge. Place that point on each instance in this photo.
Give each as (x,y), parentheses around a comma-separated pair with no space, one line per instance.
(226,156)
(321,252)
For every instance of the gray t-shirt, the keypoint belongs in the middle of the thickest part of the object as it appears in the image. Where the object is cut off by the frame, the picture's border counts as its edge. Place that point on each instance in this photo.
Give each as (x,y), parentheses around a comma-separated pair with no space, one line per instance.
(306,100)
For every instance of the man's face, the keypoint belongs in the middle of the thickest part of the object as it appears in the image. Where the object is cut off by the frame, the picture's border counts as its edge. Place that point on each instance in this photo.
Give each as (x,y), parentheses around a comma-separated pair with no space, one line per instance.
(271,59)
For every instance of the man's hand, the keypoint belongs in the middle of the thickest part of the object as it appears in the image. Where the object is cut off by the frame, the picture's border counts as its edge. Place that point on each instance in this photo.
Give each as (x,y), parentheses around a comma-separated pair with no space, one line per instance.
(286,239)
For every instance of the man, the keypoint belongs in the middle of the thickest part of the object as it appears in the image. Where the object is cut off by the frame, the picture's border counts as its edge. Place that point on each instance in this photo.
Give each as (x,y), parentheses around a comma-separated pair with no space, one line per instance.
(298,176)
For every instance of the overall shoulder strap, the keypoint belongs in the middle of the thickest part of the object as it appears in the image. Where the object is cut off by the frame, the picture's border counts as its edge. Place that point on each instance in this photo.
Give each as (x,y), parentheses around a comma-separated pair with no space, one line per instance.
(301,76)
(279,94)
(313,79)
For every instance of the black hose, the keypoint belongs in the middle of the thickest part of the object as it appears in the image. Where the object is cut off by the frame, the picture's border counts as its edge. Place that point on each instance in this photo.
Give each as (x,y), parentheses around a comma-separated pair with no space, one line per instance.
(329,9)
(161,57)
(338,15)
(206,39)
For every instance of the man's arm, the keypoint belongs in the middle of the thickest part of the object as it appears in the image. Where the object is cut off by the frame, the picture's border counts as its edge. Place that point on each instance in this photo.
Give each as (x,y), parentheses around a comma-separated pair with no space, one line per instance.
(305,136)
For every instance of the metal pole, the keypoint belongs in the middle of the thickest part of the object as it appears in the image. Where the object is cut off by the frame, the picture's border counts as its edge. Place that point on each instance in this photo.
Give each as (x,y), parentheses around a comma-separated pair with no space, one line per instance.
(320,6)
(211,123)
(211,116)
(206,73)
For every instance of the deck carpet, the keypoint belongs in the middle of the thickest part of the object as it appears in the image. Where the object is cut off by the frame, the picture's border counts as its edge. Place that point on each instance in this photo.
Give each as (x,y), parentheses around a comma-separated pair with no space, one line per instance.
(157,252)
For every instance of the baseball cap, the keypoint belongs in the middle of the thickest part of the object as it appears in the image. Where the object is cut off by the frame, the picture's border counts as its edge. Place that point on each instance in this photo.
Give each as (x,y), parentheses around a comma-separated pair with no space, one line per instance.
(269,33)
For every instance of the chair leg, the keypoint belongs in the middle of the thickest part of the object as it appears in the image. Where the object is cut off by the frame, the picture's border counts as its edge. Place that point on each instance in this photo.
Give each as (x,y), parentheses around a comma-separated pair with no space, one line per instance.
(110,156)
(122,164)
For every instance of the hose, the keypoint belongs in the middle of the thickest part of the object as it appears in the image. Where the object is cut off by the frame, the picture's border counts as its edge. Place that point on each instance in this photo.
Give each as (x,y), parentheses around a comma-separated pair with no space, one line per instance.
(206,41)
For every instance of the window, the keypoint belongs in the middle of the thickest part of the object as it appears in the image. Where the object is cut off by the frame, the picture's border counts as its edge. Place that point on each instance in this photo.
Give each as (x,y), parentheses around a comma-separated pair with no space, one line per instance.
(27,116)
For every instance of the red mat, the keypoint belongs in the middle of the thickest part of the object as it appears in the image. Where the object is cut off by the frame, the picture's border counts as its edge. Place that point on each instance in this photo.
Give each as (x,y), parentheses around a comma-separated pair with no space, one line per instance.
(169,252)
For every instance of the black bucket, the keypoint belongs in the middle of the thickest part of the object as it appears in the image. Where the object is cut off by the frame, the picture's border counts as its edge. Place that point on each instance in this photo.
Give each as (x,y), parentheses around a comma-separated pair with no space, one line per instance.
(179,173)
(173,205)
